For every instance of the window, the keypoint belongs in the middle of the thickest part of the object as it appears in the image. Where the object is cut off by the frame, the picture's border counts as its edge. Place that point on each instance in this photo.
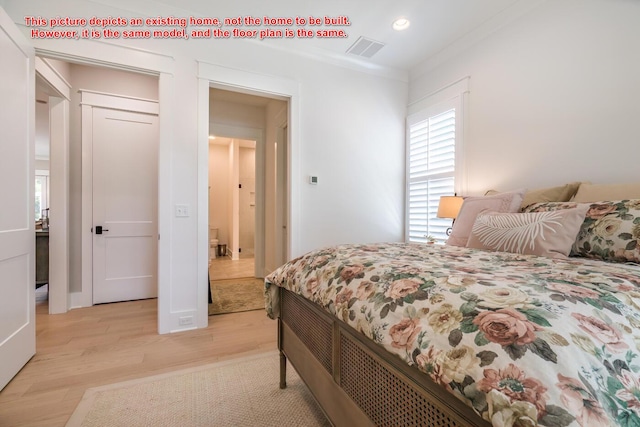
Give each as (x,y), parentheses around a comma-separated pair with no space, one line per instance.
(42,193)
(434,158)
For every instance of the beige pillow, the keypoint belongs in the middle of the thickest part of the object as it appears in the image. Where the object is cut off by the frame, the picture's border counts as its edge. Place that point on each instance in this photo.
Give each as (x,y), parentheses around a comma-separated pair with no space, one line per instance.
(597,192)
(472,206)
(550,234)
(561,193)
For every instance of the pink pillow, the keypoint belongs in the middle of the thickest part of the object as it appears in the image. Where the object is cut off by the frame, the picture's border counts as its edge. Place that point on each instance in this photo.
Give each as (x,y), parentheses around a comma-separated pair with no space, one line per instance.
(472,206)
(550,234)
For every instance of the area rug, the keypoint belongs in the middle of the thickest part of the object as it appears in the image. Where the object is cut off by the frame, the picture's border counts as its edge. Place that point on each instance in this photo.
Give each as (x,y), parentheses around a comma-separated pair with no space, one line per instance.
(234,295)
(240,392)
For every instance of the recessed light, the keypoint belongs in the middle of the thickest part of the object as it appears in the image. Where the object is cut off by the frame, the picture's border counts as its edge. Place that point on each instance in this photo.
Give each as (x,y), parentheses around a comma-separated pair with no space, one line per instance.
(401,24)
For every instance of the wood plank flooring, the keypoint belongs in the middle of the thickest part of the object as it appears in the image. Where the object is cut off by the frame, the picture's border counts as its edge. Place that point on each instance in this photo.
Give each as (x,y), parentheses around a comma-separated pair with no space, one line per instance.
(222,268)
(111,343)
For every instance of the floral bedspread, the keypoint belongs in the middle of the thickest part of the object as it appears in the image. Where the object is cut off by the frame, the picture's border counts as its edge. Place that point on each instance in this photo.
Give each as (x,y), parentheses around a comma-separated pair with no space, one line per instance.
(524,340)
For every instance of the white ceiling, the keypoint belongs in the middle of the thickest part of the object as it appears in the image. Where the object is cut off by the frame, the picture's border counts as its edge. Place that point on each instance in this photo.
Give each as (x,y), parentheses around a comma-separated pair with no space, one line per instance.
(435,24)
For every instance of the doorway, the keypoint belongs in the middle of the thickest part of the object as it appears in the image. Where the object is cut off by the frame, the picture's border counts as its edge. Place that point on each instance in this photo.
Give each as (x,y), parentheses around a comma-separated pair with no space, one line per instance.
(232,208)
(244,129)
(58,84)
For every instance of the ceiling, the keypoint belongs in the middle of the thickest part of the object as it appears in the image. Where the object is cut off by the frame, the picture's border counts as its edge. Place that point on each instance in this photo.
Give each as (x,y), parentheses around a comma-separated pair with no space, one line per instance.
(435,24)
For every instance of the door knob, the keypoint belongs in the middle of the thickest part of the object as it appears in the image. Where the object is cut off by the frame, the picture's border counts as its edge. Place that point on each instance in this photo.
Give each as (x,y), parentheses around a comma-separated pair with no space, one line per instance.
(99,229)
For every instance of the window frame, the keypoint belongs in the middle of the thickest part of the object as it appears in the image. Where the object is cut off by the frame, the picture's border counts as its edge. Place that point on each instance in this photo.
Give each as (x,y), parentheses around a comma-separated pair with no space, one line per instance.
(454,96)
(44,201)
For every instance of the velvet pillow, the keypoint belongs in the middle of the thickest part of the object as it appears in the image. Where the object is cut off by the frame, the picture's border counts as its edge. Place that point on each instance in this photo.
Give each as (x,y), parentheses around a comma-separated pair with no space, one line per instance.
(472,206)
(550,234)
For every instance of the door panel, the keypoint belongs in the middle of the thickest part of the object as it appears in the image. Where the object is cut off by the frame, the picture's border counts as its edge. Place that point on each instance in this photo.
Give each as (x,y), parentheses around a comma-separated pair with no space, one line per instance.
(124,205)
(17,233)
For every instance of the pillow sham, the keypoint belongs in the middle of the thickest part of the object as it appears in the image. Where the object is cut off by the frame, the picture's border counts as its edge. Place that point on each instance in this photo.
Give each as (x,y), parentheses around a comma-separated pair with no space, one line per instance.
(472,206)
(597,192)
(553,194)
(550,234)
(560,193)
(610,231)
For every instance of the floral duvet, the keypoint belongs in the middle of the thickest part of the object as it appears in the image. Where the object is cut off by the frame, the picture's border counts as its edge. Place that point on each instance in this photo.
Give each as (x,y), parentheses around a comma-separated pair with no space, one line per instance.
(524,340)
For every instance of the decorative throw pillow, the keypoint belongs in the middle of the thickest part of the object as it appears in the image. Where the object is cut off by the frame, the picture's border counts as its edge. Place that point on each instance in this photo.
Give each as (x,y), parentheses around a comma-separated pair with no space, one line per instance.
(472,206)
(550,234)
(610,231)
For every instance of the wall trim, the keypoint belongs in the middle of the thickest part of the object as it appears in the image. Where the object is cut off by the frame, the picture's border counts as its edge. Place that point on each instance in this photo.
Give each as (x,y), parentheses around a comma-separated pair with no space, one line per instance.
(53,78)
(212,75)
(473,37)
(59,204)
(118,102)
(445,93)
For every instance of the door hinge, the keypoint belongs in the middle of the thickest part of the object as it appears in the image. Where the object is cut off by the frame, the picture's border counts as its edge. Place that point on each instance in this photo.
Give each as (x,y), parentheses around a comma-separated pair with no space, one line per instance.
(239,185)
(239,250)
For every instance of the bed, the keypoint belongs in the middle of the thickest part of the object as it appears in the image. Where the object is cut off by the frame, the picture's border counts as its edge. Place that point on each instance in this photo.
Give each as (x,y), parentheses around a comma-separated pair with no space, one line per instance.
(417,334)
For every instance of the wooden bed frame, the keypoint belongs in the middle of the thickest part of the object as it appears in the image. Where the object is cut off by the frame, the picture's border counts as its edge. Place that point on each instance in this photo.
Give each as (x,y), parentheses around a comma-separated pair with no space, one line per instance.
(355,381)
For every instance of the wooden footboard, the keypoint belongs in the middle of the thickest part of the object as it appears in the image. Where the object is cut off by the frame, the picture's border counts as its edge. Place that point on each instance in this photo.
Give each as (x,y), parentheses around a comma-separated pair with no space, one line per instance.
(355,381)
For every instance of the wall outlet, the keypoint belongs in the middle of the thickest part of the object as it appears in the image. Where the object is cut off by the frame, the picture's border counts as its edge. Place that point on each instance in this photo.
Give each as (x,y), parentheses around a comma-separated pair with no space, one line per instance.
(185,321)
(182,211)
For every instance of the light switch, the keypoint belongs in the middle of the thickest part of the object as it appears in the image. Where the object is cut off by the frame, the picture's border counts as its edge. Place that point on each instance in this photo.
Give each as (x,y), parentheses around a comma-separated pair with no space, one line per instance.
(182,211)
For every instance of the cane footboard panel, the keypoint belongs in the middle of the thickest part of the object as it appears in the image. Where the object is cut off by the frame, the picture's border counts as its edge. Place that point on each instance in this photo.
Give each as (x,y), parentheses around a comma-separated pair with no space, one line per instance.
(354,381)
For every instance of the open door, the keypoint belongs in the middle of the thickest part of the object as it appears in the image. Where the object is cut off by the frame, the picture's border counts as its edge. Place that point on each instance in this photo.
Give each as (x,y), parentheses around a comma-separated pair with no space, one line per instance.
(17,231)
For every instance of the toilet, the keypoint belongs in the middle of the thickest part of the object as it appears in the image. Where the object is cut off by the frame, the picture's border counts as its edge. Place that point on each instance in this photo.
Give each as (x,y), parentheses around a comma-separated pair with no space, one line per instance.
(213,242)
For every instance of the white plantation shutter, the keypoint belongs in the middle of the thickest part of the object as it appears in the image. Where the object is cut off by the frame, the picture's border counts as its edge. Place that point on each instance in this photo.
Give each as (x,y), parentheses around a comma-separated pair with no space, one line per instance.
(431,169)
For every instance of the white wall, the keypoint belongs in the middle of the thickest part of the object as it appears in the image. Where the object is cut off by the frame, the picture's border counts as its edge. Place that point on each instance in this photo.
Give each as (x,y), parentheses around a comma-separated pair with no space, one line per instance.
(350,134)
(218,190)
(235,114)
(62,67)
(354,142)
(247,211)
(42,131)
(553,97)
(42,165)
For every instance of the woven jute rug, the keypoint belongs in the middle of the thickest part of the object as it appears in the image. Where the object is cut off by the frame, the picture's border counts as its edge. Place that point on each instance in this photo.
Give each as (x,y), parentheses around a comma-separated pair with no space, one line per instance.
(240,392)
(234,295)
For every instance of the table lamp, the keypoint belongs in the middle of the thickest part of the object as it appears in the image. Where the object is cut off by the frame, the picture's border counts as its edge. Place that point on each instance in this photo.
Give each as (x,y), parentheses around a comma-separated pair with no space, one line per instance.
(449,207)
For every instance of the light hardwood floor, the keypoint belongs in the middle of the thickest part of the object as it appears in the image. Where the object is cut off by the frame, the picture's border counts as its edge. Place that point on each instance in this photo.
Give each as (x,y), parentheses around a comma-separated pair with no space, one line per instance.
(222,268)
(110,343)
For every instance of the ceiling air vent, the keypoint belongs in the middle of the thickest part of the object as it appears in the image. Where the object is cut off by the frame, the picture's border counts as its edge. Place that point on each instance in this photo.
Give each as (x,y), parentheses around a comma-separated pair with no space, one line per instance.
(365,47)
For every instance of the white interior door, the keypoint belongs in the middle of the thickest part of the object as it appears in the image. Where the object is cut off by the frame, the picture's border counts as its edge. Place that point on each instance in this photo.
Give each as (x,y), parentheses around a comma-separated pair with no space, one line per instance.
(125,239)
(17,231)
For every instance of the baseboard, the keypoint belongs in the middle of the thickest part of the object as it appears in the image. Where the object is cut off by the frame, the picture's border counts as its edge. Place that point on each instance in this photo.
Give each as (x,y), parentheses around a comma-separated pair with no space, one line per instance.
(75,300)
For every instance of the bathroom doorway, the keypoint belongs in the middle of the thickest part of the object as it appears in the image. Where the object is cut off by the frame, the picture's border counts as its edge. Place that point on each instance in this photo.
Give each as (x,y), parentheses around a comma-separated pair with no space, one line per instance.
(244,131)
(232,208)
